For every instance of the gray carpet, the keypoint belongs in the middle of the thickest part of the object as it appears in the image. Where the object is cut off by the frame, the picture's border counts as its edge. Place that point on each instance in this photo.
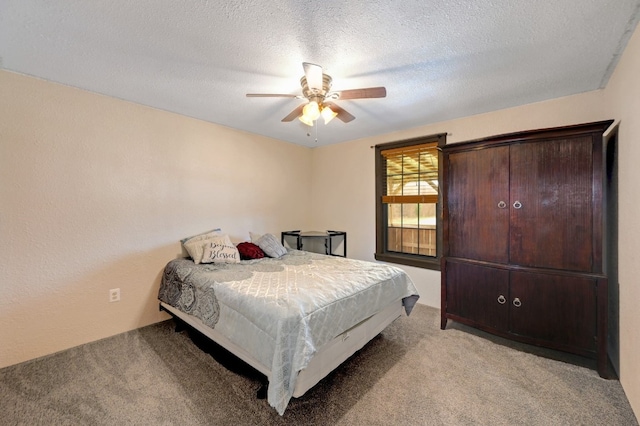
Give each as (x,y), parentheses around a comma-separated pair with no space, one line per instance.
(412,374)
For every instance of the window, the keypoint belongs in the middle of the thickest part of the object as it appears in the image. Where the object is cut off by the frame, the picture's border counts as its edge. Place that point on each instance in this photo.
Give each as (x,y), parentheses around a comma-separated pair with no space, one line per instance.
(408,211)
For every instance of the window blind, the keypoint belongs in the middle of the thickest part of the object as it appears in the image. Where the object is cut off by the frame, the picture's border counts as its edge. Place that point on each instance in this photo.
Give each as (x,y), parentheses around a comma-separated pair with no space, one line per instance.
(411,174)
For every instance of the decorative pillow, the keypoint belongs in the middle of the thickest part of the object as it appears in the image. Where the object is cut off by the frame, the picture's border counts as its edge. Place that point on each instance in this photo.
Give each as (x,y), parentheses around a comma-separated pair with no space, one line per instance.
(203,236)
(196,248)
(254,237)
(249,251)
(271,246)
(220,253)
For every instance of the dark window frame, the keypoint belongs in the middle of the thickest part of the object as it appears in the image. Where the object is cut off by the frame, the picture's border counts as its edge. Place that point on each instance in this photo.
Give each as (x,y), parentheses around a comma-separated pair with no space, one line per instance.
(382,254)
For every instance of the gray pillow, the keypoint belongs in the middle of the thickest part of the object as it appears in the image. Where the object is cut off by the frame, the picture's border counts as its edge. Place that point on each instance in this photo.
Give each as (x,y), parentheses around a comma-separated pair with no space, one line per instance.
(271,246)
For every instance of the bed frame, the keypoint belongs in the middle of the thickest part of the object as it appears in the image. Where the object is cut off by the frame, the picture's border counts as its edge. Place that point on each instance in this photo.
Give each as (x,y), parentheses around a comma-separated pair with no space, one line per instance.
(328,357)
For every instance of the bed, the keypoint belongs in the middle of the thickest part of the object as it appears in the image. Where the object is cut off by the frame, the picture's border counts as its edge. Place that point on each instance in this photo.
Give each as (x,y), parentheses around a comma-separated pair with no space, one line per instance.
(294,318)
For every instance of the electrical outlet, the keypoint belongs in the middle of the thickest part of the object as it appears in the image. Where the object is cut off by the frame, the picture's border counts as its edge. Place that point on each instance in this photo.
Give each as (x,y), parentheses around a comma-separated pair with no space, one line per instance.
(114,295)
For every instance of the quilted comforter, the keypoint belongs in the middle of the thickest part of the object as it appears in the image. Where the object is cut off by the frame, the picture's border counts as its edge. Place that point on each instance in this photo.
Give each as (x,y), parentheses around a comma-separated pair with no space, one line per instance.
(282,310)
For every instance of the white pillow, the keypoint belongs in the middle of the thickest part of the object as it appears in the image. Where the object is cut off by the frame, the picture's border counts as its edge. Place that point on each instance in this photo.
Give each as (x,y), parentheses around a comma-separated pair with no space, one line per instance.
(271,246)
(202,236)
(195,246)
(220,253)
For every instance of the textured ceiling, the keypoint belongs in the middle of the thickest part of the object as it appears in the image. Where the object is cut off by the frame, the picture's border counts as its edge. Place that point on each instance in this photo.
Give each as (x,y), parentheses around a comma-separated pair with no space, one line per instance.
(438,59)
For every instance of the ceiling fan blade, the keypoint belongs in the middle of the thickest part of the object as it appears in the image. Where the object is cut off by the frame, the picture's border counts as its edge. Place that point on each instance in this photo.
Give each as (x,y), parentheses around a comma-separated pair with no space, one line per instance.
(369,92)
(313,73)
(294,114)
(270,95)
(342,113)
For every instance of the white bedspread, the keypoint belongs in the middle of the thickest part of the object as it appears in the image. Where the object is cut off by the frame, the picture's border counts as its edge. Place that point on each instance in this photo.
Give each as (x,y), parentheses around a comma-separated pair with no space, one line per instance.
(282,310)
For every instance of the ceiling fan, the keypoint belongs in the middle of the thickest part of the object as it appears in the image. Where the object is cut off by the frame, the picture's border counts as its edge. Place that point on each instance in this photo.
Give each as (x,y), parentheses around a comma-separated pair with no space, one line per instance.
(316,89)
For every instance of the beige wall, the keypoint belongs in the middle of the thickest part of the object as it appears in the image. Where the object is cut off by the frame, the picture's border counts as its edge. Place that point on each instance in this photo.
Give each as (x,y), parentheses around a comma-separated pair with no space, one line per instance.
(95,194)
(622,99)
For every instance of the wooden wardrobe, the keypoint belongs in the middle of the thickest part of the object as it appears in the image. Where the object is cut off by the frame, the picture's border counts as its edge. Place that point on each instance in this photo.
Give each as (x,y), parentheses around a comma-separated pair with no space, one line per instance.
(524,238)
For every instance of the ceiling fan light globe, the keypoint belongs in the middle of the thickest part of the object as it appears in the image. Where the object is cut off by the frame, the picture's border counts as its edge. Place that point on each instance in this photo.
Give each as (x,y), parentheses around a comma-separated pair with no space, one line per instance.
(306,120)
(328,114)
(311,110)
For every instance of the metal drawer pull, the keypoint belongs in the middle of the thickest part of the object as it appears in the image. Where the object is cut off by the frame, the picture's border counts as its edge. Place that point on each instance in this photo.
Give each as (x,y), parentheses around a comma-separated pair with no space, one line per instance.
(517,303)
(501,300)
(517,205)
(502,205)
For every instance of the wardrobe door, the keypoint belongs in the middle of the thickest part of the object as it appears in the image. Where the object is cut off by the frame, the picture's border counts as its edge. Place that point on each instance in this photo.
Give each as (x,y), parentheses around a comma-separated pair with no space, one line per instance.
(556,309)
(551,208)
(478,204)
(477,295)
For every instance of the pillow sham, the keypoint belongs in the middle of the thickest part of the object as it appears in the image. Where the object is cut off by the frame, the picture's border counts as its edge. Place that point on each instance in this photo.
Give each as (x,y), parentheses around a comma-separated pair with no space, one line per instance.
(196,248)
(220,253)
(249,251)
(202,236)
(271,246)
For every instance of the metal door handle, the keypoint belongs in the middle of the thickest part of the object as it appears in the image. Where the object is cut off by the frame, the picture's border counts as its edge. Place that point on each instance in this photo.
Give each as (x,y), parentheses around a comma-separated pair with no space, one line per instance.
(502,300)
(517,205)
(502,205)
(517,303)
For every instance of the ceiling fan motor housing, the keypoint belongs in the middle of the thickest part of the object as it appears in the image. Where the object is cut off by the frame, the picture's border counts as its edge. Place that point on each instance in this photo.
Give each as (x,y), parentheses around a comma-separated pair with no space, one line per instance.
(316,94)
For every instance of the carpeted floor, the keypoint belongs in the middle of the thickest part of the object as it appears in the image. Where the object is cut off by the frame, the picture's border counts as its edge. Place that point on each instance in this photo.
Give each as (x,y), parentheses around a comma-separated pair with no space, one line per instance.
(412,374)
